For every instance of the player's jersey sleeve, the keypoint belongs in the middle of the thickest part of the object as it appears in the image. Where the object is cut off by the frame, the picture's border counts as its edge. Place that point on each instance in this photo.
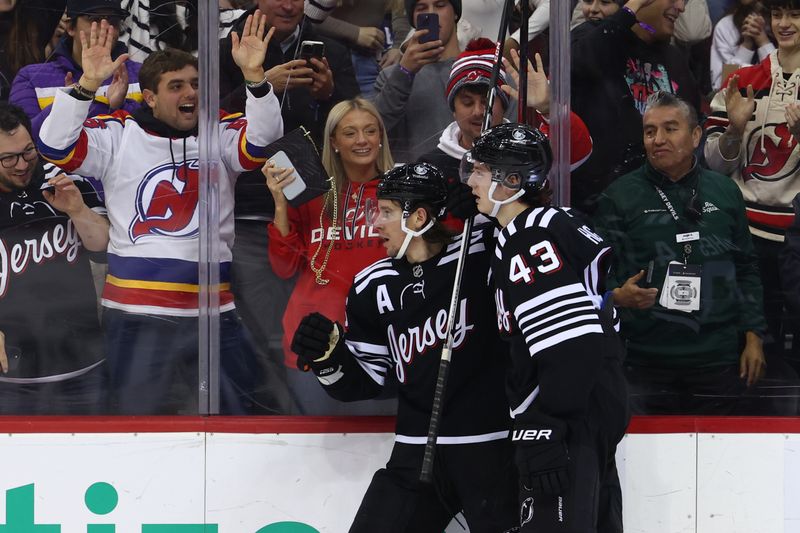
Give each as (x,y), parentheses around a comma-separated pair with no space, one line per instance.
(77,144)
(244,138)
(366,360)
(541,300)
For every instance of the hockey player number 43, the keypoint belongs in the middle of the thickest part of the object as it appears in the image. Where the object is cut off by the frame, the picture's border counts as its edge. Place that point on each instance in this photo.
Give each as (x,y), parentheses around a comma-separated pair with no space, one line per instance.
(544,253)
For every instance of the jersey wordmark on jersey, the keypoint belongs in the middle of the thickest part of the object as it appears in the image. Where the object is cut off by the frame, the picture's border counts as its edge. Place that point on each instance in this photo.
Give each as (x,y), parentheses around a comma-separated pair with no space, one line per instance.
(396,321)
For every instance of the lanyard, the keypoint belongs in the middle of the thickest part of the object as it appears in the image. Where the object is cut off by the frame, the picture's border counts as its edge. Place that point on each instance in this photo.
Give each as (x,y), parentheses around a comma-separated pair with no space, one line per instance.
(687,247)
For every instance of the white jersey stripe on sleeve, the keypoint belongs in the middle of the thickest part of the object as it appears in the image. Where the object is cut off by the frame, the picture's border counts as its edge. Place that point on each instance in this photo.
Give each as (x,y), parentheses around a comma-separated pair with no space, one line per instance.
(587,311)
(572,333)
(547,297)
(524,316)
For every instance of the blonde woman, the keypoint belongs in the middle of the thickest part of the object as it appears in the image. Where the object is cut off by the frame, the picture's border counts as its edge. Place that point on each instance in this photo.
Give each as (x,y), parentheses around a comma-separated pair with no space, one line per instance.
(327,241)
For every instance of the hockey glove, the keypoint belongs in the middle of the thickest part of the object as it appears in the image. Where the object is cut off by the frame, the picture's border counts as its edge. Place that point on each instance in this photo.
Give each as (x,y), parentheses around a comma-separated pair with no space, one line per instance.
(541,454)
(312,340)
(460,201)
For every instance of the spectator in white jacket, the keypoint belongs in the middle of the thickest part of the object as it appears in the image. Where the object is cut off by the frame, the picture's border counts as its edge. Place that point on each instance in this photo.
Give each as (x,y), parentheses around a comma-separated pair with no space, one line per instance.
(740,38)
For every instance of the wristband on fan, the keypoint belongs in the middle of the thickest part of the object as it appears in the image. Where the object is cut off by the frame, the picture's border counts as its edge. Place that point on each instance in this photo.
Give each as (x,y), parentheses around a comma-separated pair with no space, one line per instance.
(646,27)
(407,72)
(82,92)
(254,84)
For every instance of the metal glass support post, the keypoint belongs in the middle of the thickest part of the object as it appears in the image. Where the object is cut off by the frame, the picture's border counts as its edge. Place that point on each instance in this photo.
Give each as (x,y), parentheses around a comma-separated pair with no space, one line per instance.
(208,207)
(560,59)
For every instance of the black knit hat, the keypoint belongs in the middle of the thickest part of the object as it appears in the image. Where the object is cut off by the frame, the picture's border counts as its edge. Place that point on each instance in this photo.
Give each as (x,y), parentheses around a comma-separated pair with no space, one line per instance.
(410,10)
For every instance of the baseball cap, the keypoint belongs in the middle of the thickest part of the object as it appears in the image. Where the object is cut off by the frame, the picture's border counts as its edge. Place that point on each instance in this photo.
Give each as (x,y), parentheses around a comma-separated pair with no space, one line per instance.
(89,7)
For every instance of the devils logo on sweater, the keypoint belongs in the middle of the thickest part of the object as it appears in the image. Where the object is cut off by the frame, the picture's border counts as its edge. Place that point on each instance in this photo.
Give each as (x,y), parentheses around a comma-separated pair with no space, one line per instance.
(166,202)
(771,154)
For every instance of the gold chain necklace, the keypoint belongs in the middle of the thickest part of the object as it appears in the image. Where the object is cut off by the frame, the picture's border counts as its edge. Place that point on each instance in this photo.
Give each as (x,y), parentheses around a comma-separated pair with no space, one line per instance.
(319,270)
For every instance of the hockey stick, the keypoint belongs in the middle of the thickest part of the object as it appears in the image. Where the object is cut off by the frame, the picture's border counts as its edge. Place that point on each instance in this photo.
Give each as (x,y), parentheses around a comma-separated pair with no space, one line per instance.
(522,105)
(426,475)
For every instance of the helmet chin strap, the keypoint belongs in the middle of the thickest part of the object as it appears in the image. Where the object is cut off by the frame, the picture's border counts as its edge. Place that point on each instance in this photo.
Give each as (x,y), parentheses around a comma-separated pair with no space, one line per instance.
(410,233)
(500,203)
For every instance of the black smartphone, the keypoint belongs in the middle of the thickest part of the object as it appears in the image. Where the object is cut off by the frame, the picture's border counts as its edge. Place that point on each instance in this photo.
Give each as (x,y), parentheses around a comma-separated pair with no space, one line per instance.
(309,49)
(430,22)
(647,282)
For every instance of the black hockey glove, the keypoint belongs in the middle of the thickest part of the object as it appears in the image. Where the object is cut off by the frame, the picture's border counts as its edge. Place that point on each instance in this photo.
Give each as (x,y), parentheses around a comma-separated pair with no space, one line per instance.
(312,340)
(460,201)
(541,454)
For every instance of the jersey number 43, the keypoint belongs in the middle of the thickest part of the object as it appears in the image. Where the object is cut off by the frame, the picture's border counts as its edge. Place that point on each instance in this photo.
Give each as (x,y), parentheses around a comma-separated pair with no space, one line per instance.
(545,258)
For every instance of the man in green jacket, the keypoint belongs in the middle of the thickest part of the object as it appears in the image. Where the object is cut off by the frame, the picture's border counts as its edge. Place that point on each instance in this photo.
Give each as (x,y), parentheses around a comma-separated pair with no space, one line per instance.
(685,273)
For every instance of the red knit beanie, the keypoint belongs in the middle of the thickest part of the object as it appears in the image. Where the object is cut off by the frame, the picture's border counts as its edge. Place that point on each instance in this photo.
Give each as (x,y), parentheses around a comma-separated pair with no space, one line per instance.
(473,66)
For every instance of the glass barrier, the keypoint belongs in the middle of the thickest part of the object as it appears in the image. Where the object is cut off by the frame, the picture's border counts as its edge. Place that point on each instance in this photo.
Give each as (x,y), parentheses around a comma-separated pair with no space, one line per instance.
(178,283)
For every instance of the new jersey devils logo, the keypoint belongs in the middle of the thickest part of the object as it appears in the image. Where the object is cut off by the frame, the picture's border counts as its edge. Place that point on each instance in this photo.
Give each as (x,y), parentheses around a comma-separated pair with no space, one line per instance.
(777,161)
(166,202)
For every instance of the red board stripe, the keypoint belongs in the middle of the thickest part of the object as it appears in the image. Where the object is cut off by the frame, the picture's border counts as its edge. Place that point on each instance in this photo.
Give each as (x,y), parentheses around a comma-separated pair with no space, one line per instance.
(355,424)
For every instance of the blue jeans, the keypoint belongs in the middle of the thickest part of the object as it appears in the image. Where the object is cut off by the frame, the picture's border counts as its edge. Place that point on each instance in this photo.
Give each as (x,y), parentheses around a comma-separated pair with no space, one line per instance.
(153,363)
(366,67)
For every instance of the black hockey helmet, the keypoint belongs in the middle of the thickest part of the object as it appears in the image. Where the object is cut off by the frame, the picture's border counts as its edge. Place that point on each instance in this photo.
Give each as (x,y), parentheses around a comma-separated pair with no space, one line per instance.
(513,148)
(415,184)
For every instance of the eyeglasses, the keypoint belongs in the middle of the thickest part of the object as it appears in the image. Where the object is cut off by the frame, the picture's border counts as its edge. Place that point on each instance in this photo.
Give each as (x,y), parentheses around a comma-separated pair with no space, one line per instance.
(11,160)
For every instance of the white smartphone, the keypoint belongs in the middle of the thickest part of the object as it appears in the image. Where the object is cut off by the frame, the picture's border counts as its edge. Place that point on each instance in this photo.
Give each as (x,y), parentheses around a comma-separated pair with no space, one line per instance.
(280,159)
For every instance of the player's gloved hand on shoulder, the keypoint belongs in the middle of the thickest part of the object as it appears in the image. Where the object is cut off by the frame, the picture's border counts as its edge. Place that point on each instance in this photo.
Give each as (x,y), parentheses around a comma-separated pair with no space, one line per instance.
(541,454)
(460,201)
(312,340)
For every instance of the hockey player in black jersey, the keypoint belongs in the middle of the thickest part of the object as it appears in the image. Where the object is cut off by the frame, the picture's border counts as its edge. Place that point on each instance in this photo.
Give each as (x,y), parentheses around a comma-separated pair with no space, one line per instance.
(396,319)
(567,392)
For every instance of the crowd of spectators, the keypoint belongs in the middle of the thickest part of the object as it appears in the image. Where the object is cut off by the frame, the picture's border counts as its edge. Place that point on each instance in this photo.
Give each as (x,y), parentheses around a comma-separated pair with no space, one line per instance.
(379,94)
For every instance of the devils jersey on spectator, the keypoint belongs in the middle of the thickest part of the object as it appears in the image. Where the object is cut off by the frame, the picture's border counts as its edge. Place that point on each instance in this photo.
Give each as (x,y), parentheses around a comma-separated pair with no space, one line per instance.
(48,308)
(152,198)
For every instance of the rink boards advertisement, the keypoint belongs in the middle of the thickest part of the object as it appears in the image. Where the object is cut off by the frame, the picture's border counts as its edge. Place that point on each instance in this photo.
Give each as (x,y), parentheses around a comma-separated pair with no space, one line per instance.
(678,475)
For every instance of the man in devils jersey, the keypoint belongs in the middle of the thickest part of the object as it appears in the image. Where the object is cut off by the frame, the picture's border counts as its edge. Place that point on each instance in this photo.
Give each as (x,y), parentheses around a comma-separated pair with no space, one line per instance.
(51,349)
(148,163)
(396,319)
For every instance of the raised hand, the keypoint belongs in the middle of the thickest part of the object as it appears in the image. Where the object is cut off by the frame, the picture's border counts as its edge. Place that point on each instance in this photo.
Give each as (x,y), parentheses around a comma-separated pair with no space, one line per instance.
(249,51)
(96,55)
(738,107)
(118,88)
(538,84)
